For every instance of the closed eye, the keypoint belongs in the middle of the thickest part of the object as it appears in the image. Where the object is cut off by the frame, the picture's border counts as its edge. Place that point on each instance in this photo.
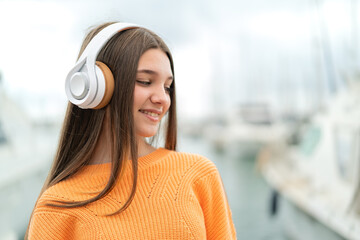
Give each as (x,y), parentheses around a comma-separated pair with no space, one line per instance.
(168,89)
(146,83)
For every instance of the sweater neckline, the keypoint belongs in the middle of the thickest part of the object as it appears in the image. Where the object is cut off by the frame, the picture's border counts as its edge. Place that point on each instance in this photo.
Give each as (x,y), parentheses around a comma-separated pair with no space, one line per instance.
(143,162)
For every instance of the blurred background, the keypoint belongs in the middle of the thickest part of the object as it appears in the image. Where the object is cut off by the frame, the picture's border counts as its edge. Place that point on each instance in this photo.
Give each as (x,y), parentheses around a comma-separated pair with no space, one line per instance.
(267,89)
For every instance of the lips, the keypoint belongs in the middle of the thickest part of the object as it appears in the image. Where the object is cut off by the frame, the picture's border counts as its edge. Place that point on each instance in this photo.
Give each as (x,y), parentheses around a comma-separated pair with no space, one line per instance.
(152,114)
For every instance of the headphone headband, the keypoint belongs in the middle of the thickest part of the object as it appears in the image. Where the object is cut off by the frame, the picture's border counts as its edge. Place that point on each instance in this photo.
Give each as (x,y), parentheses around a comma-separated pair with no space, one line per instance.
(82,86)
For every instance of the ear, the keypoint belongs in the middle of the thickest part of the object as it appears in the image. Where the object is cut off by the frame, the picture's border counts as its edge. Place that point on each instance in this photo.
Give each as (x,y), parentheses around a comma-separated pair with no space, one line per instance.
(109,84)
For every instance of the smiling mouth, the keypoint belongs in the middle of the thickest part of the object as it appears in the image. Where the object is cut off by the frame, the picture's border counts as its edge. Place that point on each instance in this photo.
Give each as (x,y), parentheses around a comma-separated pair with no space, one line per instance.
(150,113)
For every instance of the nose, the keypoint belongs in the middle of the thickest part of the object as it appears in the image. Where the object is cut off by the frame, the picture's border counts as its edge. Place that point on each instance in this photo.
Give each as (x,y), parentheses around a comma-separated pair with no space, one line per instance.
(160,96)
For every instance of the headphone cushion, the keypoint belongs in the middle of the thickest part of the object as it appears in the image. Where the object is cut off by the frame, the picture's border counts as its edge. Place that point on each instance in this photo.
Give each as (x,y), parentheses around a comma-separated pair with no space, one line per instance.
(109,84)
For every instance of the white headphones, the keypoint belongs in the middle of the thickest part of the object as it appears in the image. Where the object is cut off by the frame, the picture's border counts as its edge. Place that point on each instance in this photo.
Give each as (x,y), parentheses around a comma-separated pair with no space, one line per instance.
(90,83)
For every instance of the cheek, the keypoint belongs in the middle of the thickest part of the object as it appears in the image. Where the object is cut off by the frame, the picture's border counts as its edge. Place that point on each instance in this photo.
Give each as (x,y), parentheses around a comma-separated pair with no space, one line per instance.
(168,104)
(138,96)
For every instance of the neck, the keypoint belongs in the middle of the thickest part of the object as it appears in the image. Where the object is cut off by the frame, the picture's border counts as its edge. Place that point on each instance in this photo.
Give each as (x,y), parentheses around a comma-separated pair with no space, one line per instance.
(102,152)
(143,147)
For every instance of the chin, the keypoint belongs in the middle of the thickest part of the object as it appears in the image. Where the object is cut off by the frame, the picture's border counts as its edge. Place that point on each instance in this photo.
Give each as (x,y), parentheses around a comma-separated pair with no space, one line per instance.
(147,134)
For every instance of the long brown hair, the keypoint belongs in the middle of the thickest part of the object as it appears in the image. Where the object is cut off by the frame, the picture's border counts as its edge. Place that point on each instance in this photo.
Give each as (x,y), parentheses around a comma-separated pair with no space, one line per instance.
(82,127)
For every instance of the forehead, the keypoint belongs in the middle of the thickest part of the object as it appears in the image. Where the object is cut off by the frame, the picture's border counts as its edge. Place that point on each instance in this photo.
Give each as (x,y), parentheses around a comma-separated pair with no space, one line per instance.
(156,60)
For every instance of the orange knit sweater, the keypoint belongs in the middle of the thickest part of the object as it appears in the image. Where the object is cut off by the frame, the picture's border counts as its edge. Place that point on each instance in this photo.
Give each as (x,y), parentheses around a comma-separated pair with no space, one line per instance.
(179,196)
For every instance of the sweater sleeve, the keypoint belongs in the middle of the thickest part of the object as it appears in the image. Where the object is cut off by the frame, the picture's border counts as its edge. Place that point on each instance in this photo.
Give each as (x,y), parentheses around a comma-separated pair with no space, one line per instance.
(52,225)
(217,214)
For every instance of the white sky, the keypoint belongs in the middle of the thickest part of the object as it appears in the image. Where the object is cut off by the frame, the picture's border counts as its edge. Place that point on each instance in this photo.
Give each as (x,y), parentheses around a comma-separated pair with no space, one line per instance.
(222,51)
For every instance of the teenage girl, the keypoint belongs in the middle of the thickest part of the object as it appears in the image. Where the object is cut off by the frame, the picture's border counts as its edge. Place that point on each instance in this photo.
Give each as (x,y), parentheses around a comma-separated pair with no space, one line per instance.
(107,181)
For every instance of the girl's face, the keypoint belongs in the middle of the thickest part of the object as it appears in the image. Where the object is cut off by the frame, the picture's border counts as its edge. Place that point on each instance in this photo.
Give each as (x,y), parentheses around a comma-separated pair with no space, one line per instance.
(152,91)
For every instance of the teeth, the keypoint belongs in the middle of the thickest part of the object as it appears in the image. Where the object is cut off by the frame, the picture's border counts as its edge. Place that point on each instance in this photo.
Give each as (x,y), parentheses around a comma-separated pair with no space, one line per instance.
(151,113)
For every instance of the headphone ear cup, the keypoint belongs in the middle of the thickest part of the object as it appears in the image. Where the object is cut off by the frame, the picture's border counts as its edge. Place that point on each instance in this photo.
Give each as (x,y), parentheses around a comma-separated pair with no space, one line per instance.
(109,84)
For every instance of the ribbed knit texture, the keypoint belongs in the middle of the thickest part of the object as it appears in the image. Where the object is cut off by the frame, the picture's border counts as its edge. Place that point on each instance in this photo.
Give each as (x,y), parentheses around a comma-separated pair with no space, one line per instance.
(179,196)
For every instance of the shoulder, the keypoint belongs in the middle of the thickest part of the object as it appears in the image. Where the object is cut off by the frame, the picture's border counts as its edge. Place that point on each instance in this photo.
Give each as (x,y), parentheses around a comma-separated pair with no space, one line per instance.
(48,221)
(61,191)
(195,158)
(68,190)
(77,187)
(55,193)
(195,164)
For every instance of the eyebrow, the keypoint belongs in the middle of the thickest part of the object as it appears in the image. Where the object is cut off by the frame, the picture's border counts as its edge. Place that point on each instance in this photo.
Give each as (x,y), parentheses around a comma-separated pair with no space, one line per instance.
(151,72)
